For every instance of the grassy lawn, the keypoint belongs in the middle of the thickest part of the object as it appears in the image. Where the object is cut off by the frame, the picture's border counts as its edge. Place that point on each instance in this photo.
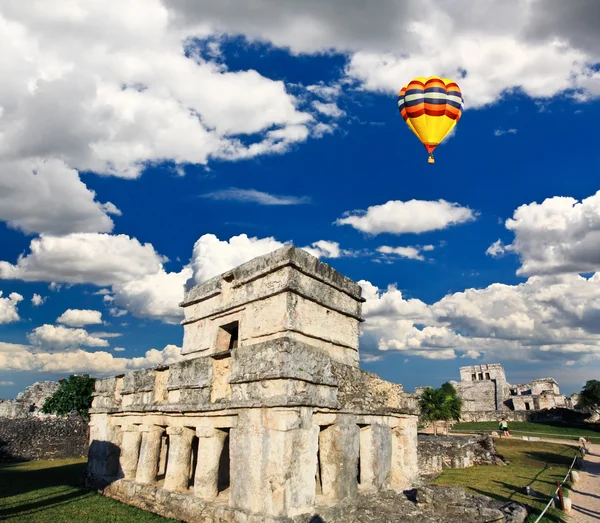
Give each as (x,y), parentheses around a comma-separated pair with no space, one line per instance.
(50,492)
(537,464)
(542,430)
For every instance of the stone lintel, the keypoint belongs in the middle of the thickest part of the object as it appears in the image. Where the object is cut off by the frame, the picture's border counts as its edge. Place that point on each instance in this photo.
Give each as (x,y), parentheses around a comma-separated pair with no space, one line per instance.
(263,265)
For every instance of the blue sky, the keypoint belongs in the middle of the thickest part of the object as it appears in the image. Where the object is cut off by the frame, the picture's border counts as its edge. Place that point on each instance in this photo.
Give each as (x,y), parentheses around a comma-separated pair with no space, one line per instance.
(198,136)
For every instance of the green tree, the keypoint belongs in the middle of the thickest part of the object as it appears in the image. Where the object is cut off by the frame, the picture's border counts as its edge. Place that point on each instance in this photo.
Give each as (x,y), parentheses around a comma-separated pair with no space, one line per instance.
(443,404)
(73,395)
(590,396)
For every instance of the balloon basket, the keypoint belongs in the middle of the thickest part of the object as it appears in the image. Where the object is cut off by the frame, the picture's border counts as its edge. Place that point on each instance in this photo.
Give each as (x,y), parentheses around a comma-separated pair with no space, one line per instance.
(430,160)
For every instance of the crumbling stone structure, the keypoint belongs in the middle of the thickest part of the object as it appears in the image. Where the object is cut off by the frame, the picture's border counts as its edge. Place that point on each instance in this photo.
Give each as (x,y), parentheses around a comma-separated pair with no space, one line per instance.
(487,395)
(35,395)
(268,417)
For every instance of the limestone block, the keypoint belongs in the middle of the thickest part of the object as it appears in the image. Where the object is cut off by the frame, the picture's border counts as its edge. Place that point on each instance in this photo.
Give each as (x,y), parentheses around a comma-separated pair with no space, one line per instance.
(149,459)
(338,458)
(375,457)
(138,381)
(405,470)
(130,451)
(273,464)
(177,477)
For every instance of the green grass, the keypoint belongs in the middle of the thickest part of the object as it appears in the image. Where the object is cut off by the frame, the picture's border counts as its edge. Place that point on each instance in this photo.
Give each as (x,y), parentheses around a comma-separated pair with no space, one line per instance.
(542,430)
(537,464)
(50,492)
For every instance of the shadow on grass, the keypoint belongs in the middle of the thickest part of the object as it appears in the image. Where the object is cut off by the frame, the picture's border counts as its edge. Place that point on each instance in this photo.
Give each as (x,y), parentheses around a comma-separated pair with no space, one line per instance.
(17,480)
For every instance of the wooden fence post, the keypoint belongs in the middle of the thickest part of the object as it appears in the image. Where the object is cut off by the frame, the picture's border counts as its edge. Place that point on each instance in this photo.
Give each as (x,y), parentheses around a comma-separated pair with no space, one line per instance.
(560,496)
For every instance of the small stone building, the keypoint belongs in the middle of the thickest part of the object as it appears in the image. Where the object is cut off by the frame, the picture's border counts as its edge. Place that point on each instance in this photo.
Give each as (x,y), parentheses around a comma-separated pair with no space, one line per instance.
(268,416)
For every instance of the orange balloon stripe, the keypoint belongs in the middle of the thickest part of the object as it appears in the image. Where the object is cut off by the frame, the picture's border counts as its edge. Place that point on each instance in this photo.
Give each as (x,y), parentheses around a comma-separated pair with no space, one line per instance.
(435,110)
(416,114)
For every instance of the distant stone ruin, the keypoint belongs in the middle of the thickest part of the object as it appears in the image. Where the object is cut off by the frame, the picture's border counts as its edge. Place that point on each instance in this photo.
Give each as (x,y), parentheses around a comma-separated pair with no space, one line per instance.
(29,402)
(269,417)
(486,394)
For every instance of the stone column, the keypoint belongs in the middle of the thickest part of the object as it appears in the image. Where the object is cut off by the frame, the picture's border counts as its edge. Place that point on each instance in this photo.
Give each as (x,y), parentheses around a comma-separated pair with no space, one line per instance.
(210,446)
(338,453)
(375,456)
(177,477)
(130,450)
(149,453)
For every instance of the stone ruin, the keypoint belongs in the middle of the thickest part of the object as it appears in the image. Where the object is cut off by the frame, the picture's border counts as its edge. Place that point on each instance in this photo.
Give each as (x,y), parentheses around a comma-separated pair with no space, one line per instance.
(34,394)
(487,395)
(268,417)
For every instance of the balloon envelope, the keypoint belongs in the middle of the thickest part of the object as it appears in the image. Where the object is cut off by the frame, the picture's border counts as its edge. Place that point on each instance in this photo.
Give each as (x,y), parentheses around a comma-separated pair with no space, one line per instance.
(431,107)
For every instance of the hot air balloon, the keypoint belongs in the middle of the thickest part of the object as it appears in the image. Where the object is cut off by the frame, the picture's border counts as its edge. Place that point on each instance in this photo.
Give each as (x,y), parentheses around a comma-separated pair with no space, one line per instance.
(430,107)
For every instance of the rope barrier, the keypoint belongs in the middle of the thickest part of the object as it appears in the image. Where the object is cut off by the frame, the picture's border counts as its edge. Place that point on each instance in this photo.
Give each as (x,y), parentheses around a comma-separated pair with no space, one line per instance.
(558,488)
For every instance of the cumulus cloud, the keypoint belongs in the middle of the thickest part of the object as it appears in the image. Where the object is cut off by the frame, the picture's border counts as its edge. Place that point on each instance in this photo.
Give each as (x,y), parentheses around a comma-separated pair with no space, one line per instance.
(101,259)
(59,338)
(544,318)
(212,256)
(137,98)
(559,235)
(8,307)
(156,296)
(47,196)
(254,196)
(80,317)
(413,216)
(542,48)
(15,357)
(37,300)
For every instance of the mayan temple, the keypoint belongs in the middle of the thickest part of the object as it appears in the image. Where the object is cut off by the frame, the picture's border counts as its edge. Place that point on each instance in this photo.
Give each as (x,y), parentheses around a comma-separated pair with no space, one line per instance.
(268,417)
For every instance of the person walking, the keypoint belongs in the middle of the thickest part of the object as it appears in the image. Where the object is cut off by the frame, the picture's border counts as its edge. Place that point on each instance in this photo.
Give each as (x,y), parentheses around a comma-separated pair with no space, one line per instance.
(503,426)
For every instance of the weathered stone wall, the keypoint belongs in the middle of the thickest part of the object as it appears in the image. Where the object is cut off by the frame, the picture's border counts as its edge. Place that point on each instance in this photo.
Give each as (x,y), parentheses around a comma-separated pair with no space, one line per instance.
(477,395)
(458,452)
(495,415)
(43,438)
(34,394)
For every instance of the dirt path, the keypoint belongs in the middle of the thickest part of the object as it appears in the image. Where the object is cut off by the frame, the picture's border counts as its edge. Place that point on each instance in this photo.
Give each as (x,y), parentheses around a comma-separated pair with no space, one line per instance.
(585,495)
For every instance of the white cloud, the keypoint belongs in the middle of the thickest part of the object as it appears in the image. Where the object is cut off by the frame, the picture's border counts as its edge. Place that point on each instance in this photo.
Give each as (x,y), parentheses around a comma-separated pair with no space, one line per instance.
(127,94)
(254,196)
(327,249)
(212,256)
(54,286)
(414,216)
(117,313)
(47,196)
(80,317)
(8,307)
(472,354)
(410,252)
(100,363)
(118,349)
(6,383)
(496,249)
(155,296)
(328,109)
(541,47)
(544,318)
(57,337)
(38,300)
(101,259)
(559,235)
(500,132)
